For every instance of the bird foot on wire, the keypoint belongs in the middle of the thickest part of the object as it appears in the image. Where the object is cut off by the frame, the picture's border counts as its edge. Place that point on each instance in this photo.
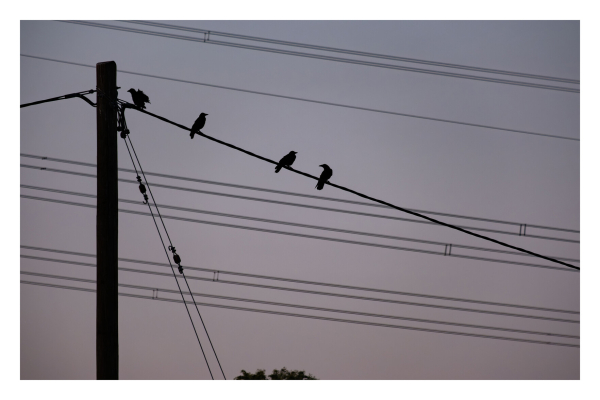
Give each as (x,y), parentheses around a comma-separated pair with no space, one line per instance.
(194,133)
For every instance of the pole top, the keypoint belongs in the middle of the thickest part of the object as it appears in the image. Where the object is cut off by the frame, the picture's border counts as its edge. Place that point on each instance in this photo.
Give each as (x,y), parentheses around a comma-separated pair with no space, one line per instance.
(104,63)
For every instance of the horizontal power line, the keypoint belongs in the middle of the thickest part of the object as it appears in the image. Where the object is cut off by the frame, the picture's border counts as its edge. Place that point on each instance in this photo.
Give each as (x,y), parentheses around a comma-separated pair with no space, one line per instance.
(353,52)
(292,305)
(280,222)
(361,203)
(326,58)
(354,242)
(304,282)
(313,101)
(311,316)
(313,292)
(296,204)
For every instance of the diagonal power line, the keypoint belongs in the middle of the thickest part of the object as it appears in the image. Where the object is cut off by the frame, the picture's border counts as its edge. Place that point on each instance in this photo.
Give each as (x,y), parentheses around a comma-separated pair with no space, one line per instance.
(79,95)
(171,247)
(353,191)
(129,105)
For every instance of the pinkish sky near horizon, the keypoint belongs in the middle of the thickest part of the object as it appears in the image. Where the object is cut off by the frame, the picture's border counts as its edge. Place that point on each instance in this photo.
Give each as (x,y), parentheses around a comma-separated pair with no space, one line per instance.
(414,163)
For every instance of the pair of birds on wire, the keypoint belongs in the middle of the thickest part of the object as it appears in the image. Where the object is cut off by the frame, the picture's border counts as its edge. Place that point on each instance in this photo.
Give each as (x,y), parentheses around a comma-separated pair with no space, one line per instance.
(140,99)
(289,159)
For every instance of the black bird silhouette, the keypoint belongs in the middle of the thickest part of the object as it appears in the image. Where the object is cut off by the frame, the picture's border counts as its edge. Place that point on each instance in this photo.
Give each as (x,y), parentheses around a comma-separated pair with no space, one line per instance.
(199,124)
(286,161)
(325,175)
(139,98)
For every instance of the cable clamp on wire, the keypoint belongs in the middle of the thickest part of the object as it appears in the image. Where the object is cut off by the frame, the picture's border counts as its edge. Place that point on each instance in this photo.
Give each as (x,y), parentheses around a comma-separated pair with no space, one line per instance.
(142,189)
(448,250)
(176,258)
(522,229)
(121,121)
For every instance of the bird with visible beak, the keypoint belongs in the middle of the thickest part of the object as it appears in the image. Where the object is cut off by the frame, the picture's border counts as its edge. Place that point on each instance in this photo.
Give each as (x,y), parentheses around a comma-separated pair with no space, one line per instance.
(199,124)
(325,175)
(286,161)
(139,98)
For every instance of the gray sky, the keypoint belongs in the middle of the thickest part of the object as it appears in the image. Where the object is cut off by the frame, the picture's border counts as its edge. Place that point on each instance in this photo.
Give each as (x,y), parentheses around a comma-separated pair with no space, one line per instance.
(409,162)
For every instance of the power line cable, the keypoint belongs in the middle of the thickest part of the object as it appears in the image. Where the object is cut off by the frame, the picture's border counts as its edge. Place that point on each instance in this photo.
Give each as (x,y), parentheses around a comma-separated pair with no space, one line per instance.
(300,205)
(280,222)
(396,67)
(143,190)
(353,52)
(129,105)
(327,58)
(179,287)
(313,101)
(304,282)
(171,247)
(79,95)
(314,317)
(318,293)
(355,192)
(313,308)
(309,236)
(296,194)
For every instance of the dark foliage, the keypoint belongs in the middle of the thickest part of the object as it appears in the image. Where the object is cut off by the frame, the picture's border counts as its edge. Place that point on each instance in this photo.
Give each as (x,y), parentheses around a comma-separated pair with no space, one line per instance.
(277,375)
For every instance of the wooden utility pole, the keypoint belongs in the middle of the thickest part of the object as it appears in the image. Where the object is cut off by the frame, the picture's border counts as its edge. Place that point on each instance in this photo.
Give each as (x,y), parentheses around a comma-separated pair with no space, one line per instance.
(107,225)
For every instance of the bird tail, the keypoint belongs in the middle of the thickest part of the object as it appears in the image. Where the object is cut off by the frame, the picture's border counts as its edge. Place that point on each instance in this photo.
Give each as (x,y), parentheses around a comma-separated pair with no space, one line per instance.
(191,135)
(320,185)
(278,168)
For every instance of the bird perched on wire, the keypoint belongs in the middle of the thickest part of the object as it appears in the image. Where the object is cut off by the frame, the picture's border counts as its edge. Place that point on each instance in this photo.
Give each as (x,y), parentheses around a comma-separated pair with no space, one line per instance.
(325,175)
(286,161)
(139,98)
(199,124)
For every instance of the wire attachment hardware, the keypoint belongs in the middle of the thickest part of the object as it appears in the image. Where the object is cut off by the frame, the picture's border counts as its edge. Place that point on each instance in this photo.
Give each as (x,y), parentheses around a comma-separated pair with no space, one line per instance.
(448,250)
(142,189)
(522,229)
(120,122)
(176,258)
